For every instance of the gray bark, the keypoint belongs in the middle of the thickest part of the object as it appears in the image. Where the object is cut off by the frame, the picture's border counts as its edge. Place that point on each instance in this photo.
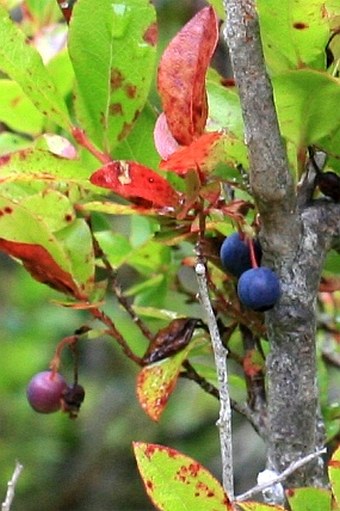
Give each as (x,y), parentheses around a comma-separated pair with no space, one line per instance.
(295,238)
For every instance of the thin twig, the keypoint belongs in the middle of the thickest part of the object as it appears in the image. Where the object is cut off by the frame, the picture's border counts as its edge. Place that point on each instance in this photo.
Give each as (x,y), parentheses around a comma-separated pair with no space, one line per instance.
(6,505)
(220,353)
(243,409)
(280,477)
(113,332)
(112,276)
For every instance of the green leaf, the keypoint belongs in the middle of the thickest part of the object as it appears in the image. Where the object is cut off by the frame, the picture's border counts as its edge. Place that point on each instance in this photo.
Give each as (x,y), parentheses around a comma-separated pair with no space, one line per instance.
(139,145)
(309,499)
(33,164)
(225,113)
(218,6)
(294,33)
(115,247)
(155,313)
(334,475)
(21,62)
(10,142)
(224,106)
(76,240)
(52,207)
(307,102)
(175,482)
(61,70)
(17,111)
(112,50)
(150,257)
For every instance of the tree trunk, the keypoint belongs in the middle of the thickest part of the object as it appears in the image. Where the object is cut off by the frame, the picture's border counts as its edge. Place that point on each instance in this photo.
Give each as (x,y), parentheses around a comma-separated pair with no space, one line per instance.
(295,238)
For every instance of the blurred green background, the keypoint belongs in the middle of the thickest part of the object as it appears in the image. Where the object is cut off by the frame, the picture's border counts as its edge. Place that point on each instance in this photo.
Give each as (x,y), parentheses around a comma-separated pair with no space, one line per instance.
(87,463)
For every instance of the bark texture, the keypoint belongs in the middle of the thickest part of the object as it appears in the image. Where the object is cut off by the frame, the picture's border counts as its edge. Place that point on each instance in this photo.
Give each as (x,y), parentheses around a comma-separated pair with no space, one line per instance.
(295,237)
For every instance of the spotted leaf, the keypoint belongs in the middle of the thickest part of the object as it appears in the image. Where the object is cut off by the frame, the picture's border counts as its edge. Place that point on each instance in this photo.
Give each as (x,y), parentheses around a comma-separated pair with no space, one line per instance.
(175,482)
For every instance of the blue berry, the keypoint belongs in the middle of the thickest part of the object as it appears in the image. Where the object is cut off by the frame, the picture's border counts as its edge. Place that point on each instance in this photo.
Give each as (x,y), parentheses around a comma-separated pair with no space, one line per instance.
(259,288)
(235,254)
(45,390)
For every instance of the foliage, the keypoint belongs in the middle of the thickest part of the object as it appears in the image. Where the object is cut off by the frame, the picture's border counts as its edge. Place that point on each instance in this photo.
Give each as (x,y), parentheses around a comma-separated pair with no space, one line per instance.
(174,482)
(86,196)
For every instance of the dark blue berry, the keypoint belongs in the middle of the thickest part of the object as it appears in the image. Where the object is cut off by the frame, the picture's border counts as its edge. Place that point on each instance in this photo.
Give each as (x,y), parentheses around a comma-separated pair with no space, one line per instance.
(235,254)
(259,289)
(45,390)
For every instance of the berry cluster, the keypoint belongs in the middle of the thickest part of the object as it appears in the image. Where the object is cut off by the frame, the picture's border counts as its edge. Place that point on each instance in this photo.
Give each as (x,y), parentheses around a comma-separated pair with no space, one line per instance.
(48,392)
(258,288)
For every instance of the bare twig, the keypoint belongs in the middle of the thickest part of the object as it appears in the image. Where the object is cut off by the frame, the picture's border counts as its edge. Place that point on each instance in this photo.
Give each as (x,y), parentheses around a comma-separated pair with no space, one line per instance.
(113,332)
(280,477)
(6,505)
(220,353)
(243,409)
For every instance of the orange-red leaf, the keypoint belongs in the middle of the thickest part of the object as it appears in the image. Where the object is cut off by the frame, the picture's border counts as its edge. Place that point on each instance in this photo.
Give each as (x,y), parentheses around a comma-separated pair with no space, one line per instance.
(133,181)
(181,76)
(156,382)
(42,266)
(203,153)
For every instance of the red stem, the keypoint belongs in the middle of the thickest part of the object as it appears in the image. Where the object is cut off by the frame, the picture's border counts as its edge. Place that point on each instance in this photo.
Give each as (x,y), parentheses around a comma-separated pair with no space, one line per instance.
(67,341)
(80,136)
(252,253)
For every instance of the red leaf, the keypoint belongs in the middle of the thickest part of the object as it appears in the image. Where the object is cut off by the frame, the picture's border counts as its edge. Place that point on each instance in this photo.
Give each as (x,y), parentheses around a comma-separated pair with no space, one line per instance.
(134,181)
(181,76)
(37,260)
(203,153)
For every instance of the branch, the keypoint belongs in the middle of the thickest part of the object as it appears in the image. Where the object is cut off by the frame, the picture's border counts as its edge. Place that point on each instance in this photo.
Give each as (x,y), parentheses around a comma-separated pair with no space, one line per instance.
(252,417)
(6,505)
(278,478)
(220,353)
(113,332)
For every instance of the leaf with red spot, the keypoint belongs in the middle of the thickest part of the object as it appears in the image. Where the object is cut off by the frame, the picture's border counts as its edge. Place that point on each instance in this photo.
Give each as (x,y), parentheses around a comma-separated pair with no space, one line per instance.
(175,482)
(23,64)
(156,382)
(205,152)
(112,50)
(181,76)
(334,474)
(51,257)
(134,182)
(317,498)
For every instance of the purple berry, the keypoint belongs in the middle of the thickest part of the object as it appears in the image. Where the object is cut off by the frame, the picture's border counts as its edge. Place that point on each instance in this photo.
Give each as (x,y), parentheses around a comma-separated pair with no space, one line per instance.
(259,289)
(44,391)
(235,254)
